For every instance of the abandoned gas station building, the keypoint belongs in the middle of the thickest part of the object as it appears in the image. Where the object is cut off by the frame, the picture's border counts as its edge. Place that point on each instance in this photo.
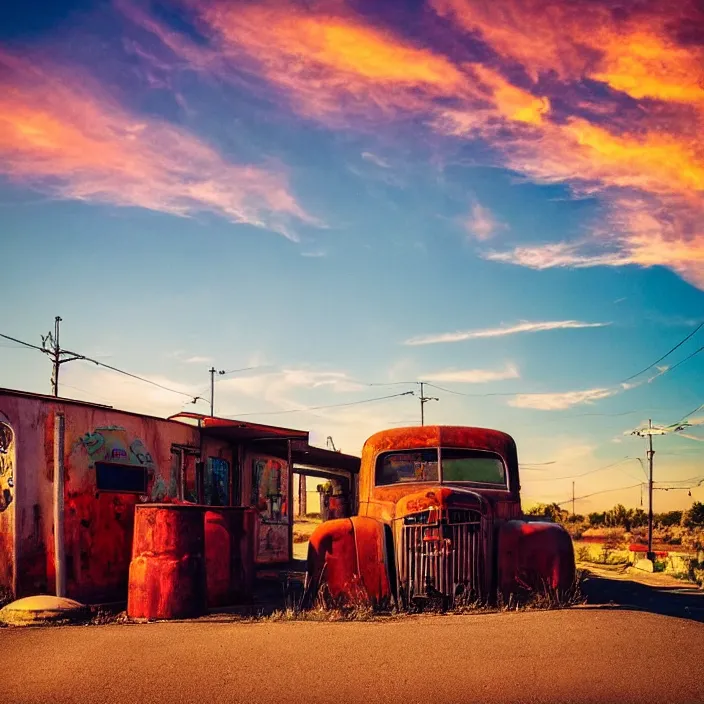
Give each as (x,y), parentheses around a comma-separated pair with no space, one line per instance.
(72,472)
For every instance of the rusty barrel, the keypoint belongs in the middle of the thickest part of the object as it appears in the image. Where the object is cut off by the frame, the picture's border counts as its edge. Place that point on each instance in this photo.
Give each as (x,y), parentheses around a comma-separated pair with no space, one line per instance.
(229,554)
(167,571)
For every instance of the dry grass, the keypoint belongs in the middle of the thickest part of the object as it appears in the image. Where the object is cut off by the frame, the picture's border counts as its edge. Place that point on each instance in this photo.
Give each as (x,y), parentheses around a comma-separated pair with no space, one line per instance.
(357,607)
(102,617)
(5,596)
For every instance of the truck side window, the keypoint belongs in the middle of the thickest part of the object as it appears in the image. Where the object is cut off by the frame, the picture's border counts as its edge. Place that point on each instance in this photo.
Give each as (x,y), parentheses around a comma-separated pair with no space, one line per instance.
(403,467)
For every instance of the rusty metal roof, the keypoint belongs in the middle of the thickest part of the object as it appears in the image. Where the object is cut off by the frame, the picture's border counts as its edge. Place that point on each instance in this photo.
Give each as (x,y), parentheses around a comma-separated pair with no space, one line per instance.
(326,459)
(302,453)
(238,430)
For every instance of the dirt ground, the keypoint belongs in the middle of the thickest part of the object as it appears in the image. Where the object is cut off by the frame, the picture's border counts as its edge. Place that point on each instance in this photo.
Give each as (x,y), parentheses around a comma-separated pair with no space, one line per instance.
(302,530)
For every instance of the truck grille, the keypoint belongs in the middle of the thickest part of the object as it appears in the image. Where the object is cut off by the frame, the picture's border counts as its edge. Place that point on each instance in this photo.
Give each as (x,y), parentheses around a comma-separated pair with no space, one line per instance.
(439,555)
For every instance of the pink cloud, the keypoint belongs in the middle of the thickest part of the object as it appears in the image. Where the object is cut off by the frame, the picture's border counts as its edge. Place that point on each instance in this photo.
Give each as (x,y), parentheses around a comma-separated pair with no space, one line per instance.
(62,134)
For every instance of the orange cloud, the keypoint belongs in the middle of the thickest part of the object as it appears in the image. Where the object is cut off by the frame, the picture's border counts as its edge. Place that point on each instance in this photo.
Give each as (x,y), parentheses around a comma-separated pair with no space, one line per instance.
(63,135)
(512,103)
(335,67)
(331,65)
(646,64)
(635,52)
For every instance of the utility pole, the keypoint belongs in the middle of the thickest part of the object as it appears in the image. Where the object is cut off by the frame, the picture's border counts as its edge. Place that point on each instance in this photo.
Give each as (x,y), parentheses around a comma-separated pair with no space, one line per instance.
(423,400)
(649,432)
(302,495)
(650,490)
(56,353)
(573,498)
(213,371)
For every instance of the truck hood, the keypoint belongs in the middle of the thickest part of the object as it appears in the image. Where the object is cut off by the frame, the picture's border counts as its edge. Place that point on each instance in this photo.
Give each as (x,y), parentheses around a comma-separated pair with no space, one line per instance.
(438,497)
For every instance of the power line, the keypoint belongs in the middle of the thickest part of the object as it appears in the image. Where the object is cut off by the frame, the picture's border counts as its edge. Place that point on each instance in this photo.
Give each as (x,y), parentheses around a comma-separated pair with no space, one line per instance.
(584,474)
(56,351)
(596,493)
(22,342)
(140,378)
(461,393)
(686,359)
(243,369)
(691,413)
(318,408)
(667,354)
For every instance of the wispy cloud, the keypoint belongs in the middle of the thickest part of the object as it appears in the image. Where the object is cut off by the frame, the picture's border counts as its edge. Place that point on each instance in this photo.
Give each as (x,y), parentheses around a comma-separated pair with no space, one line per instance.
(62,134)
(377,160)
(474,376)
(648,235)
(630,135)
(331,65)
(196,359)
(480,223)
(315,253)
(560,401)
(634,147)
(522,327)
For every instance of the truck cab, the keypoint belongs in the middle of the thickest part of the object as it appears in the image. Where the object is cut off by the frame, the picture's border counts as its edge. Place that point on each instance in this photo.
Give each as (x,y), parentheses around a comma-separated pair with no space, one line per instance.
(439,520)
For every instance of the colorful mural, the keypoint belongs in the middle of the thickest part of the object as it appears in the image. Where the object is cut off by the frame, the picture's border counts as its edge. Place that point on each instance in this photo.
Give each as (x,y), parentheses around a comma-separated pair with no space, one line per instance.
(270,489)
(270,496)
(273,543)
(112,444)
(7,477)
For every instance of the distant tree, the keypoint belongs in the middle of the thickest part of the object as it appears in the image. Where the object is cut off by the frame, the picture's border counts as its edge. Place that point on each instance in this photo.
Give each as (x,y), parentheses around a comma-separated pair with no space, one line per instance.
(619,515)
(552,511)
(597,519)
(575,518)
(669,518)
(639,518)
(694,516)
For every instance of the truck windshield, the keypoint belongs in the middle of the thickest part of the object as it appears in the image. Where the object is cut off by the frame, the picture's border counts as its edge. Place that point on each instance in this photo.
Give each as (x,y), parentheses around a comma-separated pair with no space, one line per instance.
(458,465)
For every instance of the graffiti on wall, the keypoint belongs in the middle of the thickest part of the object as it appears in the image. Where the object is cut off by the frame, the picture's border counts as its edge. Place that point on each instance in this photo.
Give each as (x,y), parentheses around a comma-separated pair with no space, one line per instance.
(273,543)
(112,444)
(7,477)
(270,489)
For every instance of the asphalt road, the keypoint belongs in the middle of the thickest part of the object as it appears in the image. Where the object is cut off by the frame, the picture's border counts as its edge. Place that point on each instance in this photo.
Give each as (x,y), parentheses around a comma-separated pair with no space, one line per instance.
(576,655)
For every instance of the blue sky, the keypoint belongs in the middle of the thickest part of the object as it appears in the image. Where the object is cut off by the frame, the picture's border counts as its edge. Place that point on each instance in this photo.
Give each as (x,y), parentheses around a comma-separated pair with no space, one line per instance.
(306,191)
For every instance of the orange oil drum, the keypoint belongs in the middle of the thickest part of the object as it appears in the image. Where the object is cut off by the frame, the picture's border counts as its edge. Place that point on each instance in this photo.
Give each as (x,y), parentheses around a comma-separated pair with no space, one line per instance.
(167,571)
(229,554)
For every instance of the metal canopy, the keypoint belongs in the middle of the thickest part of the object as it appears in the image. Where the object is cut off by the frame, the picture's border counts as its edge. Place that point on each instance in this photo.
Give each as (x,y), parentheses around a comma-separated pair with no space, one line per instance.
(273,440)
(241,431)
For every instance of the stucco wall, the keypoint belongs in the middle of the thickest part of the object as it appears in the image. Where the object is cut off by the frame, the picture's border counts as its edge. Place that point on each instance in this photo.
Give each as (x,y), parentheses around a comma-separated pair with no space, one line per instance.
(97,526)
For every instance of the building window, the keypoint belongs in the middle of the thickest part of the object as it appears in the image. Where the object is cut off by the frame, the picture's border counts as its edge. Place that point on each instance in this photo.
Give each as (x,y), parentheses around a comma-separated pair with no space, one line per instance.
(120,478)
(216,483)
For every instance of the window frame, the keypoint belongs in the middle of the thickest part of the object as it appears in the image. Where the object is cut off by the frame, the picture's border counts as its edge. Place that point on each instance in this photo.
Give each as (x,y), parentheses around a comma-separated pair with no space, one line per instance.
(505,487)
(131,468)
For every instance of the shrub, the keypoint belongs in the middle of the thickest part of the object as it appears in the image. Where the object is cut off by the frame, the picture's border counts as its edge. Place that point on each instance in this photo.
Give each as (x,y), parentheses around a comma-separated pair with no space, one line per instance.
(583,553)
(693,539)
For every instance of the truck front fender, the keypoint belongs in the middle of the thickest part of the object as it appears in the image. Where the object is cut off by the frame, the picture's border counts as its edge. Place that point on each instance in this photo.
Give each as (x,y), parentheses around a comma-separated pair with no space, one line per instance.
(533,556)
(347,561)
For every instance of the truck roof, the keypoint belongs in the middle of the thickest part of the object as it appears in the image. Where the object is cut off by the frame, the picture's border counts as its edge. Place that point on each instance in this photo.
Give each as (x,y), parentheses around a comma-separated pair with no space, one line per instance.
(442,435)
